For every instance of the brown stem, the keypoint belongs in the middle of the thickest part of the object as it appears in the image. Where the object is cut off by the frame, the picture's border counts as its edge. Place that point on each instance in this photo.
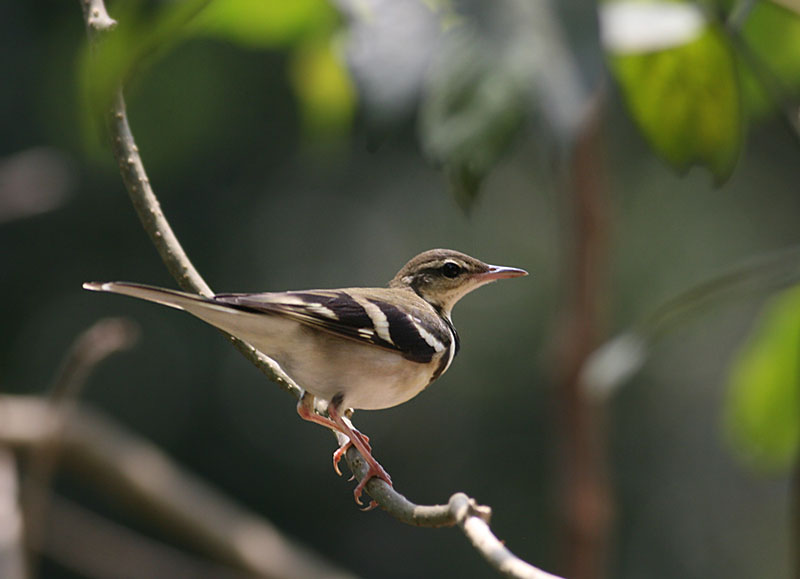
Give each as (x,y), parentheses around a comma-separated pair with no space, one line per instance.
(585,486)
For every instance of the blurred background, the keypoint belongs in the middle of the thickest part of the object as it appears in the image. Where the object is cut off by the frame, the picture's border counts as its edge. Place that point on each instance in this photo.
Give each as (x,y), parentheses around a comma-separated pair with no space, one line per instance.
(322,144)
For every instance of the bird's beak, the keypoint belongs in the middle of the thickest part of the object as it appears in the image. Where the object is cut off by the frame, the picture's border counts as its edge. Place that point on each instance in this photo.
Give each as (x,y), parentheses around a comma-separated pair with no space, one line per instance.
(501,272)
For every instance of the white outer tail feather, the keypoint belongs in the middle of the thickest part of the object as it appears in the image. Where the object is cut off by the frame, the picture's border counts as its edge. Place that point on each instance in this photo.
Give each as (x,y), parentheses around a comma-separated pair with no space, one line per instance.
(166,297)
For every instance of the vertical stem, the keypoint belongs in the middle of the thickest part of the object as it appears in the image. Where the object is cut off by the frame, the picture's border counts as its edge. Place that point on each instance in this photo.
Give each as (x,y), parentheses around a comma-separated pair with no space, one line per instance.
(587,501)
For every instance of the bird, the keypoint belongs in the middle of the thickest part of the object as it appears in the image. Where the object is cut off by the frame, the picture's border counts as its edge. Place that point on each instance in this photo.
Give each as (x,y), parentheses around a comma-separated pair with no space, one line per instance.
(354,348)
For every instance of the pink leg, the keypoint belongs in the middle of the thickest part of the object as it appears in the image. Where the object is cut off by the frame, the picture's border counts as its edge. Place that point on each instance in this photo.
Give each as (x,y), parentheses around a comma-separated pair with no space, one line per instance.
(305,408)
(361,443)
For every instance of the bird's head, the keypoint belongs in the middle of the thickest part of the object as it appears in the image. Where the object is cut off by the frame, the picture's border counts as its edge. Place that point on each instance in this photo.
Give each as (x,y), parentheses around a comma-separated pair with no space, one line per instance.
(443,276)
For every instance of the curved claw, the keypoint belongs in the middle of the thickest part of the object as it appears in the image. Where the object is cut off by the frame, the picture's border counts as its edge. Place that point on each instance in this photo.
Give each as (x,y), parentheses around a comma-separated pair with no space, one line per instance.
(375,470)
(337,456)
(339,453)
(373,504)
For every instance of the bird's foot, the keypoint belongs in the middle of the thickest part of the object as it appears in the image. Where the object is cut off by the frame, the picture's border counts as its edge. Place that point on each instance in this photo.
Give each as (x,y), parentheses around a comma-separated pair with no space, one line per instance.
(339,454)
(375,470)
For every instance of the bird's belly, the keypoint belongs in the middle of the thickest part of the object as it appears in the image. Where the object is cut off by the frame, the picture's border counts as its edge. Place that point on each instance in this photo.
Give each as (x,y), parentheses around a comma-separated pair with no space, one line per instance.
(325,365)
(369,378)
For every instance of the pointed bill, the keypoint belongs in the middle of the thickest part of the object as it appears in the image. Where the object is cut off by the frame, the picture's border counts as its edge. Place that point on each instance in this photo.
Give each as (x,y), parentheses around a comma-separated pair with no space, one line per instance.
(501,272)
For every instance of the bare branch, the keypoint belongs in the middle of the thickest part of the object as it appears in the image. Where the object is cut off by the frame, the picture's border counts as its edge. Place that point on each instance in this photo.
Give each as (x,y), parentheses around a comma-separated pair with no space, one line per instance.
(476,528)
(104,338)
(144,478)
(12,551)
(461,510)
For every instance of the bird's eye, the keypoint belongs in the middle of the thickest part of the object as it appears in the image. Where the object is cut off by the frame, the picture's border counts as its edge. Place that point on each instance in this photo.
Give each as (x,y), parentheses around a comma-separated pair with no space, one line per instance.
(451,269)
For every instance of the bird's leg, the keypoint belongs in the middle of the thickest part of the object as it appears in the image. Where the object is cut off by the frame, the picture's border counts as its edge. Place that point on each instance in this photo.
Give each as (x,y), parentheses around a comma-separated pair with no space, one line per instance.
(337,456)
(361,443)
(305,408)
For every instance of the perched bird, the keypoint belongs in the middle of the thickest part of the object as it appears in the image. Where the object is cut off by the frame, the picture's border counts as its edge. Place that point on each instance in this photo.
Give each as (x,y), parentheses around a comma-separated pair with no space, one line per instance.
(360,348)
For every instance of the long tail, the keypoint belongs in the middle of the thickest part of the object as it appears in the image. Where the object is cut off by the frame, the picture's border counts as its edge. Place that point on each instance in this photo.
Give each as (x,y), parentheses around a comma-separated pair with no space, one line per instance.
(172,298)
(265,332)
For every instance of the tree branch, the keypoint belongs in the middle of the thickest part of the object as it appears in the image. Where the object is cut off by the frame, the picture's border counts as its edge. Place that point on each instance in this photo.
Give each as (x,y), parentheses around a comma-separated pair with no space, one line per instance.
(104,338)
(142,476)
(461,510)
(12,548)
(160,232)
(93,546)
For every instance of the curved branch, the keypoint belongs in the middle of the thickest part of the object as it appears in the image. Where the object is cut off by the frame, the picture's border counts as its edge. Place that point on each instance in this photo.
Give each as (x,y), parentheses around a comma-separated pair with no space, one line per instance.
(148,208)
(461,510)
(104,338)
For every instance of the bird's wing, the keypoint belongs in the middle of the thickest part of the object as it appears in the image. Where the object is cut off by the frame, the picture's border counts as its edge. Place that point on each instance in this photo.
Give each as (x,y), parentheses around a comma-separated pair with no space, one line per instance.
(415,334)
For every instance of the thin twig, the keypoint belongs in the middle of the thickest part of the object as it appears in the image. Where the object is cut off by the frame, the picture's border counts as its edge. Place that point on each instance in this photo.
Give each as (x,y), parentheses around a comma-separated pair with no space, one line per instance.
(461,510)
(618,359)
(141,476)
(104,338)
(155,223)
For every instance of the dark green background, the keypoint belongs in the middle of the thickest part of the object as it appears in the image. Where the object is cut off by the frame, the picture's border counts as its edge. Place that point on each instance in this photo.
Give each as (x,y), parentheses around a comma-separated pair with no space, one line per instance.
(259,206)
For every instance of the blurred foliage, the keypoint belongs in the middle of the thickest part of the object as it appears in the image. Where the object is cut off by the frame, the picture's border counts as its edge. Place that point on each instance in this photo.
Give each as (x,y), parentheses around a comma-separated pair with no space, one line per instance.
(686,101)
(688,98)
(471,112)
(146,33)
(264,24)
(763,406)
(771,68)
(326,95)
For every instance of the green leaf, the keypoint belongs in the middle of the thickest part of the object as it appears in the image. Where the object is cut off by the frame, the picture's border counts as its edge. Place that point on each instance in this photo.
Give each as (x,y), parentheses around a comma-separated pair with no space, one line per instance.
(324,89)
(265,23)
(772,35)
(762,411)
(686,101)
(138,40)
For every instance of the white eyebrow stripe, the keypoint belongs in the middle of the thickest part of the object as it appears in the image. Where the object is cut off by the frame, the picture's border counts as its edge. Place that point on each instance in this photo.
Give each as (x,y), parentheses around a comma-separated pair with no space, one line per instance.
(379,321)
(429,338)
